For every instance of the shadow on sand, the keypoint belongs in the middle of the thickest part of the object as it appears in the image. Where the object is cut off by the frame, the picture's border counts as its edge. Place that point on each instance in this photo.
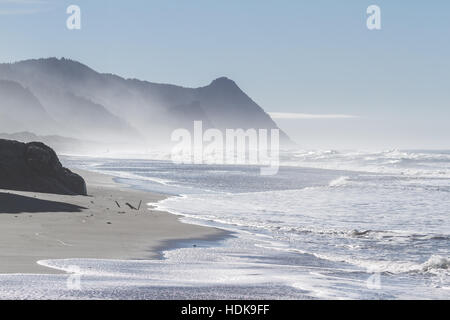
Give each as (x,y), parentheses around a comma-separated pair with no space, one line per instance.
(13,204)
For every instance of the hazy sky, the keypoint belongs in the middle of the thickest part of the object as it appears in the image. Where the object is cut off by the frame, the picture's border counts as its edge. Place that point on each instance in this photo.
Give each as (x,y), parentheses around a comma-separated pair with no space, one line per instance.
(390,88)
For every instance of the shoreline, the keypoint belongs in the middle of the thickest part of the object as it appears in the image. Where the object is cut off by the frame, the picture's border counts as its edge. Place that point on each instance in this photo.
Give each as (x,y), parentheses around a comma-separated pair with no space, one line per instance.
(90,227)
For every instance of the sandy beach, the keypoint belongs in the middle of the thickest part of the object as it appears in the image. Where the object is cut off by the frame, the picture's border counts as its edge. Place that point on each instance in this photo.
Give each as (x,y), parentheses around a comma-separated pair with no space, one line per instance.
(36,226)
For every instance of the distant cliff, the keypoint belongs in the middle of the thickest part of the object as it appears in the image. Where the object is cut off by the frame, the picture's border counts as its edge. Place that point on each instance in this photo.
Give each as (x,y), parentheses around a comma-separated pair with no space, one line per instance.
(60,144)
(35,167)
(86,104)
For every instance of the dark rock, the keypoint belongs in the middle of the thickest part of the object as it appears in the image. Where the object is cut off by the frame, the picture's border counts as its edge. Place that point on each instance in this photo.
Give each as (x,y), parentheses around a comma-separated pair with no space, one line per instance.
(35,167)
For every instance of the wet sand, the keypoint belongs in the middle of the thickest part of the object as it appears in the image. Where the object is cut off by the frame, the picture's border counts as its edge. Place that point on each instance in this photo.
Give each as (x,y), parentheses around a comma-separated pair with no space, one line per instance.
(36,226)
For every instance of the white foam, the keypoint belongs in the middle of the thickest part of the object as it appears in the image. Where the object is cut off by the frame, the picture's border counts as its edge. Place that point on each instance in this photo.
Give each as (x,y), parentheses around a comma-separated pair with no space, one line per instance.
(414,164)
(395,223)
(339,182)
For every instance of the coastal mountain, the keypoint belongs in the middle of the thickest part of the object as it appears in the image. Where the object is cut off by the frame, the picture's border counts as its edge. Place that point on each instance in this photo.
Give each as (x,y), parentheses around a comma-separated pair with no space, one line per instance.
(104,107)
(20,109)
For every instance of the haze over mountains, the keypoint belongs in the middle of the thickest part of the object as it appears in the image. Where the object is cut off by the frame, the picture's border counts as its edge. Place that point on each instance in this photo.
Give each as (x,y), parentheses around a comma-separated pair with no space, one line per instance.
(64,97)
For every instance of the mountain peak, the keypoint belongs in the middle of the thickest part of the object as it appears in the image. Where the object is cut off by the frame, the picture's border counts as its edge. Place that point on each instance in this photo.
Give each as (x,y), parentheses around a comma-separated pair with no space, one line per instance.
(223,82)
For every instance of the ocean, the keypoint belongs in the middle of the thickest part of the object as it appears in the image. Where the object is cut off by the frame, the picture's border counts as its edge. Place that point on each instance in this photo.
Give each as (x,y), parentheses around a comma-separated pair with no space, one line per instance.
(330,225)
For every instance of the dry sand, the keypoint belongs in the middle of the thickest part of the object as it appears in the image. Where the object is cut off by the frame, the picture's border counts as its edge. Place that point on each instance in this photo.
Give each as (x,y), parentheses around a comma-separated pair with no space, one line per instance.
(37,226)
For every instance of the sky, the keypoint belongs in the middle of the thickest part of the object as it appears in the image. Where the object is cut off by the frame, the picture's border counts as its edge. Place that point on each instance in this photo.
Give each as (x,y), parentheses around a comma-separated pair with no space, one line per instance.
(328,80)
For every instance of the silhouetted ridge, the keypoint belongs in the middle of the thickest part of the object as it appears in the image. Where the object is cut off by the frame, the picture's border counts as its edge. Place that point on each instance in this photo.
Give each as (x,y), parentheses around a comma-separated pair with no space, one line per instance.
(105,107)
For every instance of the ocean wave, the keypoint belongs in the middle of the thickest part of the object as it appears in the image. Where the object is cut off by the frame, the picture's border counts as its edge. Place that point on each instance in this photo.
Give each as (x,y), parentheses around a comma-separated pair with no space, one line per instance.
(435,265)
(417,164)
(339,182)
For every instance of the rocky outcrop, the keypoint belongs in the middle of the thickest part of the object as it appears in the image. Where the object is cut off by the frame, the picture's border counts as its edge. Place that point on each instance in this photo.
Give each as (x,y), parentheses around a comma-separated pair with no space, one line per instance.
(35,167)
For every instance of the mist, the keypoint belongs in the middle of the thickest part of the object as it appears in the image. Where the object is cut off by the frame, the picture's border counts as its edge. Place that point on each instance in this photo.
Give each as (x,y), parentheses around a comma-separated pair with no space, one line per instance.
(90,113)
